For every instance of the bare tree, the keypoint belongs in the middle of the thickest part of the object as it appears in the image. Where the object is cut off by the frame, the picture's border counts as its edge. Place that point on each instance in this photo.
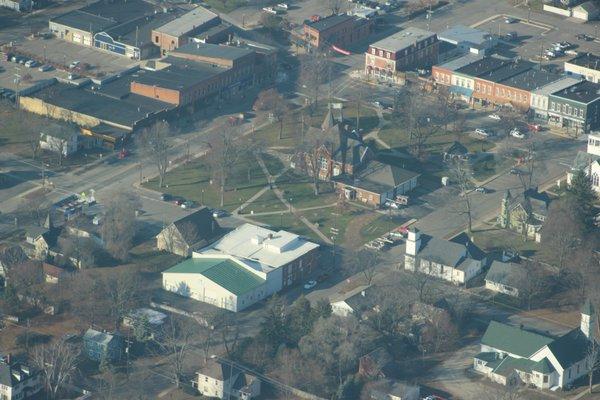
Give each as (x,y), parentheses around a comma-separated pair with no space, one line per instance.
(119,225)
(563,232)
(364,261)
(592,361)
(461,175)
(225,152)
(58,363)
(121,291)
(420,286)
(314,69)
(419,119)
(272,101)
(335,6)
(309,155)
(81,250)
(227,327)
(175,340)
(155,141)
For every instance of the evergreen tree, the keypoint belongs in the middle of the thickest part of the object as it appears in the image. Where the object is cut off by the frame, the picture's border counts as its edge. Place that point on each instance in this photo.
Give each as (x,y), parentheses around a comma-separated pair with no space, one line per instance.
(300,320)
(275,325)
(141,329)
(582,192)
(322,309)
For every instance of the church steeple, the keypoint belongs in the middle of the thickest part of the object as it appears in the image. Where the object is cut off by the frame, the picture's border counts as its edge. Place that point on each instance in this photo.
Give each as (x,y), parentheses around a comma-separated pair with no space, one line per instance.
(588,319)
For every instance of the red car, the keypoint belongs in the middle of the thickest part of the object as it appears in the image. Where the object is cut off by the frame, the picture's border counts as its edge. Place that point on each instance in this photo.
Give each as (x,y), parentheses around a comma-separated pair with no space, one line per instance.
(534,127)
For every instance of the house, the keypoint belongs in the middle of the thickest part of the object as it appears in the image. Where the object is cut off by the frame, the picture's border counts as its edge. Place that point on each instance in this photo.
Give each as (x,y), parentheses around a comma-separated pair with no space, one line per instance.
(52,273)
(355,302)
(513,354)
(394,390)
(451,261)
(377,364)
(336,30)
(342,150)
(588,11)
(507,278)
(456,151)
(576,108)
(412,48)
(59,139)
(17,5)
(524,213)
(19,381)
(223,381)
(178,32)
(589,162)
(189,233)
(38,240)
(99,346)
(245,266)
(376,183)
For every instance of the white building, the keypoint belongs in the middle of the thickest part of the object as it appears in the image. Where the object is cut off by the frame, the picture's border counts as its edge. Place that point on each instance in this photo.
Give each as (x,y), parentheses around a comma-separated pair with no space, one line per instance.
(468,40)
(449,260)
(59,139)
(507,278)
(510,354)
(17,5)
(585,65)
(18,381)
(539,96)
(589,162)
(587,11)
(243,267)
(222,381)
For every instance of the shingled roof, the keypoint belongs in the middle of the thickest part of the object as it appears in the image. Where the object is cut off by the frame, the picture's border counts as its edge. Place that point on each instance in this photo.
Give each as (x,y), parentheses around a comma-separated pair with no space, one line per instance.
(197,226)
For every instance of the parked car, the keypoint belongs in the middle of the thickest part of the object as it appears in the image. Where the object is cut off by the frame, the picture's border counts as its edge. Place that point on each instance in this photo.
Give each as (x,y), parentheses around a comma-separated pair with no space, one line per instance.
(509,20)
(44,68)
(219,213)
(188,204)
(517,133)
(31,64)
(583,36)
(72,76)
(495,116)
(285,6)
(481,189)
(482,132)
(534,127)
(74,64)
(515,171)
(511,36)
(179,201)
(166,197)
(310,284)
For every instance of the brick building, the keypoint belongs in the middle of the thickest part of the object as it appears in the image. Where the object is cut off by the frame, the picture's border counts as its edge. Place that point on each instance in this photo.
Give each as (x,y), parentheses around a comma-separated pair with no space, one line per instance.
(338,30)
(488,88)
(176,33)
(406,50)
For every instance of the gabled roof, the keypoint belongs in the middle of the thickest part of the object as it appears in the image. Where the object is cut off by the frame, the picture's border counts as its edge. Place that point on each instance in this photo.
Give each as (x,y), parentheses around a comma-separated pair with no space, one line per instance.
(513,340)
(188,22)
(508,274)
(473,250)
(570,348)
(441,251)
(456,148)
(378,177)
(197,226)
(98,337)
(9,374)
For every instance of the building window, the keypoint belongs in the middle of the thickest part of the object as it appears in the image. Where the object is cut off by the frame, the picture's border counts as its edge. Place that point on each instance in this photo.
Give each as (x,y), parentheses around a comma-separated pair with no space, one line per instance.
(373,51)
(595,179)
(545,378)
(387,54)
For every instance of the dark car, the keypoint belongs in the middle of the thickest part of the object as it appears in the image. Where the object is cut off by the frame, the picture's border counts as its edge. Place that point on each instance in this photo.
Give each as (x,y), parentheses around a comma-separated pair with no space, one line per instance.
(515,171)
(166,197)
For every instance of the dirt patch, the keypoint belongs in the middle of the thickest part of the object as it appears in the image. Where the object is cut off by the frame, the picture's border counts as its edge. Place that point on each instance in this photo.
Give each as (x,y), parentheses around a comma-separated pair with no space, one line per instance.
(352,238)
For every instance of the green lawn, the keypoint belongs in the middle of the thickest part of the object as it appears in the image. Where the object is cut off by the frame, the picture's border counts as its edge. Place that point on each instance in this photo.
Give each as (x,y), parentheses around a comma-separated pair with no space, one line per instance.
(331,219)
(267,202)
(225,6)
(380,226)
(274,165)
(300,190)
(494,238)
(193,182)
(288,222)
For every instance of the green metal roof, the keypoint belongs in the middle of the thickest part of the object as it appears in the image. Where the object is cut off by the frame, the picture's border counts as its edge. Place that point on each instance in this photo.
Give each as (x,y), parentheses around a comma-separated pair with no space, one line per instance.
(513,340)
(222,271)
(543,366)
(510,364)
(487,356)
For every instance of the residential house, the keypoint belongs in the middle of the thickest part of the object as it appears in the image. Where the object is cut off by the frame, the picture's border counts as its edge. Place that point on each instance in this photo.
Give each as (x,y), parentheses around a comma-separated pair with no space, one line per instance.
(53,273)
(442,259)
(589,162)
(224,381)
(99,346)
(245,266)
(336,30)
(576,108)
(19,381)
(507,278)
(189,233)
(539,96)
(585,65)
(524,213)
(588,11)
(377,364)
(456,151)
(59,139)
(38,240)
(403,51)
(376,184)
(355,302)
(514,354)
(394,390)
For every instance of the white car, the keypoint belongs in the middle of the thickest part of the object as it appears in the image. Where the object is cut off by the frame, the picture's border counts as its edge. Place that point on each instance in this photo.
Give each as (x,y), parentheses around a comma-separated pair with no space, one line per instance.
(31,64)
(219,213)
(482,132)
(495,116)
(517,134)
(45,68)
(74,64)
(283,5)
(310,284)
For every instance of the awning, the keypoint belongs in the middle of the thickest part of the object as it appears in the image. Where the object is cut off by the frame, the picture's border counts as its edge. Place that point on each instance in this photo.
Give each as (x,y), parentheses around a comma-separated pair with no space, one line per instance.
(461,91)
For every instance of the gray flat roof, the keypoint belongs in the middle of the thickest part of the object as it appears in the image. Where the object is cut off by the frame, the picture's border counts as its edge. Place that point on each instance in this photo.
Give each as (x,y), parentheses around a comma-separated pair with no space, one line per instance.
(460,62)
(124,111)
(84,21)
(462,33)
(403,39)
(137,32)
(553,87)
(482,66)
(584,92)
(531,79)
(213,50)
(182,73)
(331,21)
(188,22)
(506,71)
(587,60)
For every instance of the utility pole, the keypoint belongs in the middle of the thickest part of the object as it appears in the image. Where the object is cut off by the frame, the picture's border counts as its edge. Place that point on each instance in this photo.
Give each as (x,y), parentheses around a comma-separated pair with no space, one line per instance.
(17,83)
(428,16)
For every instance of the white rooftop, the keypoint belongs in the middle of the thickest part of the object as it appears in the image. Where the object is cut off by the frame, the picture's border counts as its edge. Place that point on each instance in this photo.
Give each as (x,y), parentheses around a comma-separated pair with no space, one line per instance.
(557,86)
(188,22)
(261,248)
(403,39)
(462,33)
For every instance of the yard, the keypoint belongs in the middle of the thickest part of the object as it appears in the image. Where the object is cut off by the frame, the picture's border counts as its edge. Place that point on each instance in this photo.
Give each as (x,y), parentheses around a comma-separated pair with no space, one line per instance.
(298,190)
(497,239)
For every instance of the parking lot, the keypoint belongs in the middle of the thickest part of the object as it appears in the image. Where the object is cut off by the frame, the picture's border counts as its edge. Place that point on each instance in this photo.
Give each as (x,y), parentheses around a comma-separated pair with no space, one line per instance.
(60,52)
